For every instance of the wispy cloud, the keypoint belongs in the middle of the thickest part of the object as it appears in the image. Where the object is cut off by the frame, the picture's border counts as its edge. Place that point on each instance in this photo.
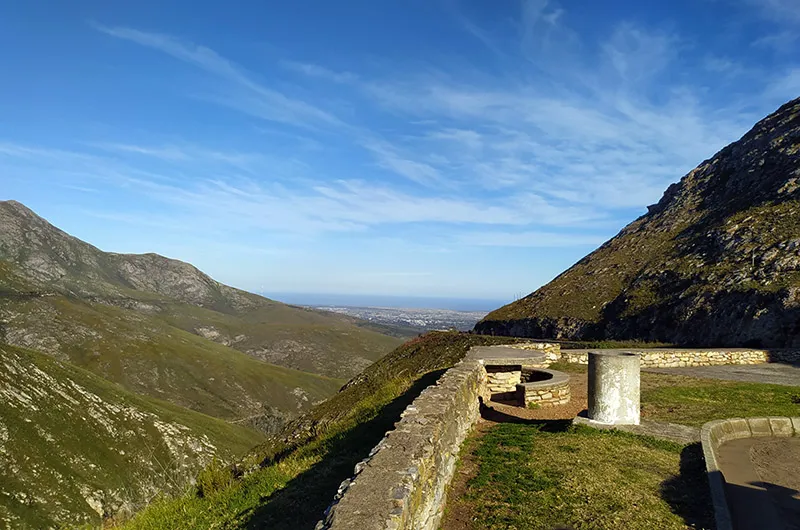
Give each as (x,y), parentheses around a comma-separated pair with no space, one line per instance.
(389,158)
(783,11)
(315,70)
(247,95)
(529,239)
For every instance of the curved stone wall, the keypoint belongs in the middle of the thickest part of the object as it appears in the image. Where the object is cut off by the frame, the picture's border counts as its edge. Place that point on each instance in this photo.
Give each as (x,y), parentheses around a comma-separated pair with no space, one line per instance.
(548,392)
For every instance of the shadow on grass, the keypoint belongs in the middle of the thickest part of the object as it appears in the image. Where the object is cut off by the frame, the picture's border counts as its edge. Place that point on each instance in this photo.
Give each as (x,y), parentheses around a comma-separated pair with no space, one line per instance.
(687,493)
(303,501)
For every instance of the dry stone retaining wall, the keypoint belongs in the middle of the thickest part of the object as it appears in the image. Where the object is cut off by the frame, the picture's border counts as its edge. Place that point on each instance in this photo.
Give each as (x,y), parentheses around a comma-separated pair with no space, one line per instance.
(551,351)
(501,379)
(667,358)
(402,484)
(554,393)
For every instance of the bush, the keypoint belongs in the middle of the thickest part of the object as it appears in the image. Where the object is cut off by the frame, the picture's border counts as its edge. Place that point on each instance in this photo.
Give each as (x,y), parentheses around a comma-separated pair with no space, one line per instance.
(215,477)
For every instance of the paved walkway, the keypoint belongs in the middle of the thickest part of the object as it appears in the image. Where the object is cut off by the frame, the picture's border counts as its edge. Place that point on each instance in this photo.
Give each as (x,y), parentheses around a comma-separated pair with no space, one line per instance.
(773,373)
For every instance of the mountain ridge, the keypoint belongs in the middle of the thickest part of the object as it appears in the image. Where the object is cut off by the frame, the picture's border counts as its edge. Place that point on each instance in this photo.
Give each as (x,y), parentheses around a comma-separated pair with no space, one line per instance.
(163,328)
(715,262)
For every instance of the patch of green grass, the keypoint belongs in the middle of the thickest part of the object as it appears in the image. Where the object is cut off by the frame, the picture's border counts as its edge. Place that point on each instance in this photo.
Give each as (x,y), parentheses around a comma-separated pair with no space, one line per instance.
(691,401)
(695,401)
(546,475)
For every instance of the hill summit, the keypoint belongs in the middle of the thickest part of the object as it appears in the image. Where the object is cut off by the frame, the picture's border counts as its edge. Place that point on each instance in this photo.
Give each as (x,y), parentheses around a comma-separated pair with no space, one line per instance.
(715,262)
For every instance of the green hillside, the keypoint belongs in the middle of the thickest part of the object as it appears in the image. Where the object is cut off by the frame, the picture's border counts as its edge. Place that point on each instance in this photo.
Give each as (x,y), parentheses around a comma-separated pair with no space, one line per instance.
(302,468)
(39,258)
(148,356)
(74,446)
(162,328)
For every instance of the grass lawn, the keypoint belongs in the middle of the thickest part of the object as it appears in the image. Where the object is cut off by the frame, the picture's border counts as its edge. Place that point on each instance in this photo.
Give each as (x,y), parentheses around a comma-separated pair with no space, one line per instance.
(693,401)
(551,475)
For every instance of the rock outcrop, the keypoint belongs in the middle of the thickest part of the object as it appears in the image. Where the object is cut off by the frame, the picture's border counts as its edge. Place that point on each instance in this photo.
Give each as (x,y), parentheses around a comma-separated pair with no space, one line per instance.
(715,262)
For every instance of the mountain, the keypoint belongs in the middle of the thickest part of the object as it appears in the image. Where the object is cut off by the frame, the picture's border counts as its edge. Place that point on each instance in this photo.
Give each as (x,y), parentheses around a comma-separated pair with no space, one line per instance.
(161,327)
(715,262)
(75,447)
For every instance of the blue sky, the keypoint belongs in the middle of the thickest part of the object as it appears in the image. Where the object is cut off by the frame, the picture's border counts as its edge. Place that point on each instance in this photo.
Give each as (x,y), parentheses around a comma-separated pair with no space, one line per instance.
(416,148)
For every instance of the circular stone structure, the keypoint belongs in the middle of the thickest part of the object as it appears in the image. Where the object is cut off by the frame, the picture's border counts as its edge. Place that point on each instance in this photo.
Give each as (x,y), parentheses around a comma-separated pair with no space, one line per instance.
(543,388)
(614,387)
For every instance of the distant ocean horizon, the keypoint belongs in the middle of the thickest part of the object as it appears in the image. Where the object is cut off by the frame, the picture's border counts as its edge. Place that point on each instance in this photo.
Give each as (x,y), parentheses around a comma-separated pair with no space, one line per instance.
(405,302)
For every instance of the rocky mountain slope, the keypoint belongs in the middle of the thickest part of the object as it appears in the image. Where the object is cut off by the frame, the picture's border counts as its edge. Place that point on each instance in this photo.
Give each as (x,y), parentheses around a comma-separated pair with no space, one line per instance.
(49,260)
(162,328)
(75,448)
(715,262)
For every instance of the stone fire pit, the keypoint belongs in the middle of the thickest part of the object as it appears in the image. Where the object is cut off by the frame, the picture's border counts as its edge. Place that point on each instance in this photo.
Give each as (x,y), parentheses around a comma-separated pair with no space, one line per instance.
(543,388)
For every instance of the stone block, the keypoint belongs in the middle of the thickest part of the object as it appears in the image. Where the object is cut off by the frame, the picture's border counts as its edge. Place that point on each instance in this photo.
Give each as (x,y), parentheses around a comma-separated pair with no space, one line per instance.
(781,426)
(796,425)
(734,428)
(759,427)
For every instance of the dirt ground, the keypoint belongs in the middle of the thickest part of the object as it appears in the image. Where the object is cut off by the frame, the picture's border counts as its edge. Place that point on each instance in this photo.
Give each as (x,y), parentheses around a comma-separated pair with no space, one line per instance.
(762,478)
(459,514)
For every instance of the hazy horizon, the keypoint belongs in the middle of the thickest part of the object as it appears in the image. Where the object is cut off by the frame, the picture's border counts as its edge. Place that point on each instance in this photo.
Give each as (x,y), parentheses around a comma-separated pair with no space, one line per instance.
(387,301)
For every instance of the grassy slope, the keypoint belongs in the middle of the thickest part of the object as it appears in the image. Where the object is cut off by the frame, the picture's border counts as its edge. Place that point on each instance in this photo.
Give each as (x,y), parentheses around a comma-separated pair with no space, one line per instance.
(66,434)
(303,339)
(547,476)
(300,475)
(146,355)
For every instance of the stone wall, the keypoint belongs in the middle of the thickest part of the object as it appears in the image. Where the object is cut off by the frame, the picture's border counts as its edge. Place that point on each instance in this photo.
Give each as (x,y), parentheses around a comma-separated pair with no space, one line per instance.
(551,350)
(402,484)
(543,395)
(667,358)
(503,379)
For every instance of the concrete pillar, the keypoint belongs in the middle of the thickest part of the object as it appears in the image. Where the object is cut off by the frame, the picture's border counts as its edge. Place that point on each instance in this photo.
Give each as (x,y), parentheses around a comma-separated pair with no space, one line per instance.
(614,387)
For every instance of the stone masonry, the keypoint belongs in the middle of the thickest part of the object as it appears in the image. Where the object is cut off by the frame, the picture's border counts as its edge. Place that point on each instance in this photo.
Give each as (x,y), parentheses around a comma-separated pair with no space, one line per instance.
(668,358)
(544,396)
(502,379)
(403,482)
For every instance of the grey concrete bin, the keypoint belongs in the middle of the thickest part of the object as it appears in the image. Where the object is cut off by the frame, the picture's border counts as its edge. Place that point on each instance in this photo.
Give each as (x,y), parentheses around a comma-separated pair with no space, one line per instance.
(614,387)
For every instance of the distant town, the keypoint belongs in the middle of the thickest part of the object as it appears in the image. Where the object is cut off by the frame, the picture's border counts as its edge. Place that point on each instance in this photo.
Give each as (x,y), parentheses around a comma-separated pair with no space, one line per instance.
(420,319)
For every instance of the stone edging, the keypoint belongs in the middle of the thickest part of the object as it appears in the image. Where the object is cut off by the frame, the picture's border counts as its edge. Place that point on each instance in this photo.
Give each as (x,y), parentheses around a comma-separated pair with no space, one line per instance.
(717,432)
(546,393)
(678,357)
(403,482)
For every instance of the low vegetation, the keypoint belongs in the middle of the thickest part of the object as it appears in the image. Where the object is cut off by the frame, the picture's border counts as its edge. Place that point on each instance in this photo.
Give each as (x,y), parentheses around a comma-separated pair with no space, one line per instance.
(690,401)
(550,475)
(75,448)
(296,477)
